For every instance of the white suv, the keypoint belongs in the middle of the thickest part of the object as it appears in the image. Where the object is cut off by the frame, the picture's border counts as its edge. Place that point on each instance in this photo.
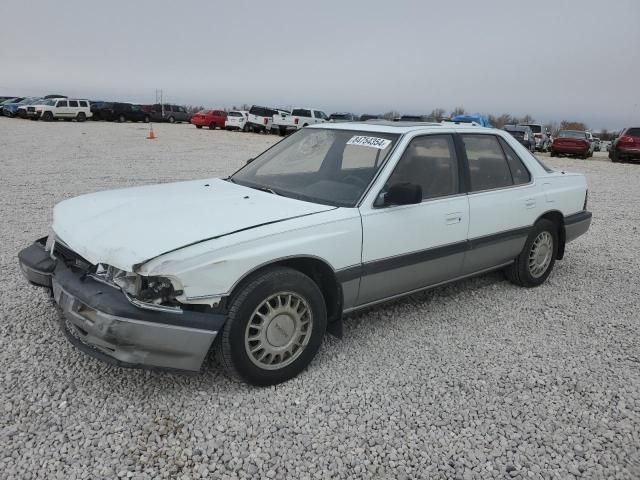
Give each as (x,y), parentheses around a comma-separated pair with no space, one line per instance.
(299,118)
(66,108)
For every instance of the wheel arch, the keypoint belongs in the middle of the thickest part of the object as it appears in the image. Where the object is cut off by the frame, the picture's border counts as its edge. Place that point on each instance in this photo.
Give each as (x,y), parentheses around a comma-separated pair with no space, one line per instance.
(557,218)
(320,272)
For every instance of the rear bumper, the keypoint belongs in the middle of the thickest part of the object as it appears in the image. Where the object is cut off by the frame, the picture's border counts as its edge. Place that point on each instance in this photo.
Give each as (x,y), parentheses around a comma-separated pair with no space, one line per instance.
(567,150)
(628,152)
(101,321)
(576,225)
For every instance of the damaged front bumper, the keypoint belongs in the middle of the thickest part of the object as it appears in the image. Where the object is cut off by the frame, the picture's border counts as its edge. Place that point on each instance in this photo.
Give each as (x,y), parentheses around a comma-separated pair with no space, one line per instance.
(100,320)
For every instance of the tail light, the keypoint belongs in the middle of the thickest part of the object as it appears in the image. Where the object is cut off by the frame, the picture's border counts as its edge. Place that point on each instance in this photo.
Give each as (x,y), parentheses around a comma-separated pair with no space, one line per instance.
(296,120)
(626,139)
(526,137)
(266,121)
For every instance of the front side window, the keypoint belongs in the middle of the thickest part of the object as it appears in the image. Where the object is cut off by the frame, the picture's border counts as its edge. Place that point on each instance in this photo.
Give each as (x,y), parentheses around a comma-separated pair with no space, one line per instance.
(488,166)
(431,162)
(332,167)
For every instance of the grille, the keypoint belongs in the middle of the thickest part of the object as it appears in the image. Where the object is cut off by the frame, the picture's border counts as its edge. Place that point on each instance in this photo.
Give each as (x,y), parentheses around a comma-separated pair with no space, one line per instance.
(70,257)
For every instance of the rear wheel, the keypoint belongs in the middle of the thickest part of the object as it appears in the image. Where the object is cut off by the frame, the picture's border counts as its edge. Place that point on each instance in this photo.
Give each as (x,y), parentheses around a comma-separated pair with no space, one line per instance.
(172,120)
(245,128)
(146,119)
(81,117)
(553,154)
(212,126)
(275,326)
(198,126)
(121,119)
(534,264)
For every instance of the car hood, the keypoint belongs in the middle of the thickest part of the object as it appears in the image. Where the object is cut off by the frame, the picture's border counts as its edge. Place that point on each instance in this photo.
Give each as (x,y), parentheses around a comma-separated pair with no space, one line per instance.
(127,227)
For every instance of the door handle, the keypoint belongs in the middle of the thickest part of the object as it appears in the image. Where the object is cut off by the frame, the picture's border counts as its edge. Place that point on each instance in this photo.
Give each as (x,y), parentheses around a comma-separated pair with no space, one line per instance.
(453,218)
(530,202)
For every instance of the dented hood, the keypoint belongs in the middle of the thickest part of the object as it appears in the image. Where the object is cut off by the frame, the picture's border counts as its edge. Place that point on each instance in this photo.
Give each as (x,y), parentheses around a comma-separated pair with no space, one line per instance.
(130,226)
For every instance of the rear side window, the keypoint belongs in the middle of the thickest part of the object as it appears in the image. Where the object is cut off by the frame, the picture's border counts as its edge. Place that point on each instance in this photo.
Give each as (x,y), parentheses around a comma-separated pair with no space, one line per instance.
(431,162)
(61,103)
(519,172)
(300,112)
(73,103)
(488,167)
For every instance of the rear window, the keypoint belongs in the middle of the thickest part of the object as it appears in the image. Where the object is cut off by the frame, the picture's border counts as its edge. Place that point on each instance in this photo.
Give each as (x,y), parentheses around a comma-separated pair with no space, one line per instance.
(633,132)
(535,128)
(234,114)
(572,134)
(300,112)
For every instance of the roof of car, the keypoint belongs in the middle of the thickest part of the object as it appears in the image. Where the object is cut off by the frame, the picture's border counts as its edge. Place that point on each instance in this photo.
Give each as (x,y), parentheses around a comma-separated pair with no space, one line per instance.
(398,127)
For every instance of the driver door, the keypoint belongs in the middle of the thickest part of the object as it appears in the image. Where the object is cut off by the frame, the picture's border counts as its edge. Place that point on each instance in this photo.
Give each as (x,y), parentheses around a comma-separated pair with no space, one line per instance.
(409,247)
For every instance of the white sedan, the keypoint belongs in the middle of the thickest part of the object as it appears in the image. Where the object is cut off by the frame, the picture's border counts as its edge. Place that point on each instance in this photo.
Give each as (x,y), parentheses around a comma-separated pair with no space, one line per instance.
(335,218)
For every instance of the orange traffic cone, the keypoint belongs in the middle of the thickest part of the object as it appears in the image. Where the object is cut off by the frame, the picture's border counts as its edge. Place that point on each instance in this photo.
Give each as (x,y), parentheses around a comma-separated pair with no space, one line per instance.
(152,135)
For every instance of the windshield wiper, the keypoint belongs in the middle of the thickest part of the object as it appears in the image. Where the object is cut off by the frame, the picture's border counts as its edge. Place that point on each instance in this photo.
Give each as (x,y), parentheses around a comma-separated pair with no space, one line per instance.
(264,189)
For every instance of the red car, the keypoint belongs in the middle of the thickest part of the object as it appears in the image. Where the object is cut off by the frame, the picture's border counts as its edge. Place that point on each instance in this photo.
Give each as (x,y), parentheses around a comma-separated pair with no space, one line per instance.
(571,142)
(627,146)
(209,118)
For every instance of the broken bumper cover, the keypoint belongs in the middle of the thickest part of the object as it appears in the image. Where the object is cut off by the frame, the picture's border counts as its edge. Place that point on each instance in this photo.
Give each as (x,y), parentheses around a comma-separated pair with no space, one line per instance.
(99,319)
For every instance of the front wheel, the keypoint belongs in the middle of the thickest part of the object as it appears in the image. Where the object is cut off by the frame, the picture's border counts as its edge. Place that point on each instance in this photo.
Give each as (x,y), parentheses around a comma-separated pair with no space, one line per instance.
(47,117)
(534,264)
(274,327)
(212,126)
(172,120)
(245,128)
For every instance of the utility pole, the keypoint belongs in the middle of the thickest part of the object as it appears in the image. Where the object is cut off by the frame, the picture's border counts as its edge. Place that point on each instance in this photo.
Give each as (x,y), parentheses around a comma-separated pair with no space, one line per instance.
(160,100)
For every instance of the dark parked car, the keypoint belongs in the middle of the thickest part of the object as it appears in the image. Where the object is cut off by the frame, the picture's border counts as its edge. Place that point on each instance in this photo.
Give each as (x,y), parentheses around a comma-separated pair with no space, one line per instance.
(411,118)
(366,116)
(342,117)
(10,109)
(119,112)
(8,101)
(572,142)
(627,146)
(170,113)
(523,134)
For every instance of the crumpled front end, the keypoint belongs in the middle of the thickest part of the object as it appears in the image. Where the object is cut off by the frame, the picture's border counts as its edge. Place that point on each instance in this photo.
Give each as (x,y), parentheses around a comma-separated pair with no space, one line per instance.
(103,320)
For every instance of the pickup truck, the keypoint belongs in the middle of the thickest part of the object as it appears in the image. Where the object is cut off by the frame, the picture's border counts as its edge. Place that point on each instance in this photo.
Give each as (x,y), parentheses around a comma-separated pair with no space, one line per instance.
(299,118)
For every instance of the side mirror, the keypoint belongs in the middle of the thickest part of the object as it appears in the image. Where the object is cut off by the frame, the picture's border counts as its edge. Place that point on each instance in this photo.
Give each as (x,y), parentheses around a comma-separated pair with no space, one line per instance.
(250,160)
(403,194)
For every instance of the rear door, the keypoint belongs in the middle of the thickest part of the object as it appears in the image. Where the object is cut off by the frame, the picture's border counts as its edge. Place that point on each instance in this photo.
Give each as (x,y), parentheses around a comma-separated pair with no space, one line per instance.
(504,202)
(409,247)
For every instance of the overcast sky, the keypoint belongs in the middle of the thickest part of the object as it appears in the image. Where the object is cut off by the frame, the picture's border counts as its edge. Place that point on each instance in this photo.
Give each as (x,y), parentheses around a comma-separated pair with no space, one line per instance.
(555,59)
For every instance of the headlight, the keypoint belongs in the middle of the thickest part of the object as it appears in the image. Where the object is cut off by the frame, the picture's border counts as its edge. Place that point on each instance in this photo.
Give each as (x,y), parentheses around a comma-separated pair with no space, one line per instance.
(156,290)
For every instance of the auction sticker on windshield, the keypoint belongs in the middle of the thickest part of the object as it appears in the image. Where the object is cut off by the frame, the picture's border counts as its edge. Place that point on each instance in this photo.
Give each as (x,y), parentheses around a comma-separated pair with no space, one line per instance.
(374,142)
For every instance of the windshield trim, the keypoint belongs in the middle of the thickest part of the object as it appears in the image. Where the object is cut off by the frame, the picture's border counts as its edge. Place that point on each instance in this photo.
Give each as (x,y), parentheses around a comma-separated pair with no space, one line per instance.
(298,196)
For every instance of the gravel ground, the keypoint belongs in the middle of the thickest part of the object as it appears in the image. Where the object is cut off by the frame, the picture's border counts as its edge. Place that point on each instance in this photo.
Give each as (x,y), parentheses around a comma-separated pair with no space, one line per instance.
(480,379)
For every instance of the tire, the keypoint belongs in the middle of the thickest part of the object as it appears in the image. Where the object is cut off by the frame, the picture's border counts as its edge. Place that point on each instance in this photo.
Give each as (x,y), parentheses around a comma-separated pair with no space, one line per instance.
(81,117)
(553,154)
(198,126)
(245,128)
(47,116)
(615,158)
(212,126)
(525,271)
(121,119)
(280,287)
(146,119)
(172,120)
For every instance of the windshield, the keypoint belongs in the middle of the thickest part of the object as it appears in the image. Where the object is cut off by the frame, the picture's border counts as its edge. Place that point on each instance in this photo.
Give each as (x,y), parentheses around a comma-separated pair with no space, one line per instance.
(51,101)
(571,134)
(28,101)
(332,167)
